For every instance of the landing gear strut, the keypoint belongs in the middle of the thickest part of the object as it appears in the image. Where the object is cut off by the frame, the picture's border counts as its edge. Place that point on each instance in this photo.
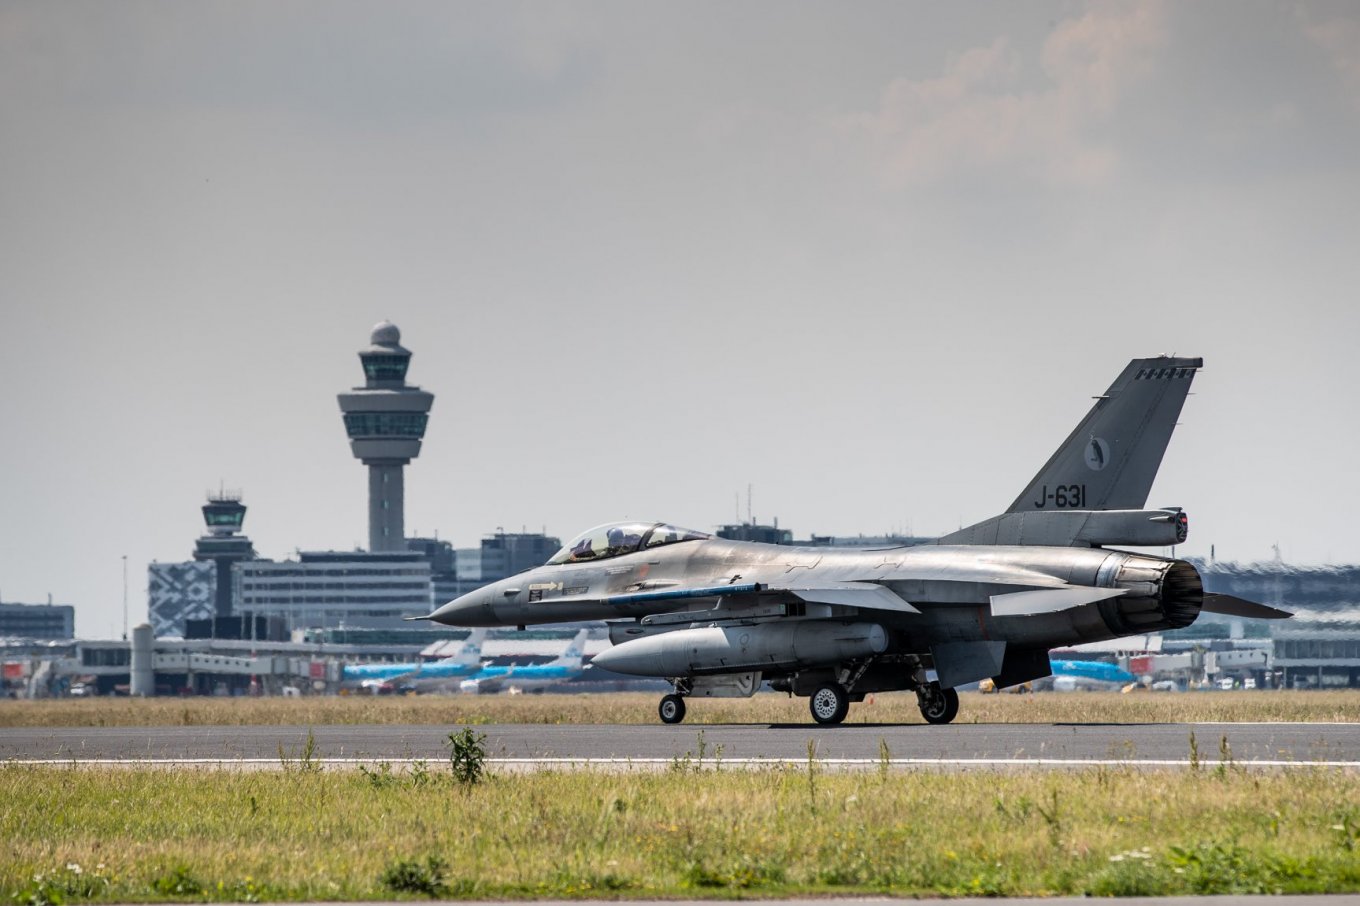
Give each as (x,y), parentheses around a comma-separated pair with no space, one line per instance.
(938,705)
(672,709)
(830,703)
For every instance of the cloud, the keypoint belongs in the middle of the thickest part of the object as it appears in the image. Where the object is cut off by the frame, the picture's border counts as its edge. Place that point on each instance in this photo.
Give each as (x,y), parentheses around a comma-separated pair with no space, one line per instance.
(1339,37)
(988,111)
(351,63)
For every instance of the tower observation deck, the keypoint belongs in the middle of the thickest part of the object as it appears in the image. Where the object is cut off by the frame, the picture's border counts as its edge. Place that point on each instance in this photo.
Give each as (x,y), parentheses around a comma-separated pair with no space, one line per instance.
(385,420)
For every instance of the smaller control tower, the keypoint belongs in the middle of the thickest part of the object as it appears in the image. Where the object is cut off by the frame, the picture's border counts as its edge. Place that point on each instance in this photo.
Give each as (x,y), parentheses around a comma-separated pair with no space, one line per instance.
(385,420)
(223,514)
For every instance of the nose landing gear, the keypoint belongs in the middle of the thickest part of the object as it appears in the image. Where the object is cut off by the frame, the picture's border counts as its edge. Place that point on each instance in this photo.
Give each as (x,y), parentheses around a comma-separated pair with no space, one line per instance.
(672,709)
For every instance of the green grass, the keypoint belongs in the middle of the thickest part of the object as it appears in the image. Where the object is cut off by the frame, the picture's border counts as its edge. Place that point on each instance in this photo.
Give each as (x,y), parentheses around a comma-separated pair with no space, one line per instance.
(71,835)
(898,707)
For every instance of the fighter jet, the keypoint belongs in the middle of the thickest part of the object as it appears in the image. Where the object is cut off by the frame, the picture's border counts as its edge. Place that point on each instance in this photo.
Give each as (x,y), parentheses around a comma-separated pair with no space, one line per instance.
(721,618)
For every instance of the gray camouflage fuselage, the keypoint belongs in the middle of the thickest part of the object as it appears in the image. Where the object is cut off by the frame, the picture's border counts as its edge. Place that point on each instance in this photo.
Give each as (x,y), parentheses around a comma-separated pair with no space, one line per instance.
(720,617)
(951,587)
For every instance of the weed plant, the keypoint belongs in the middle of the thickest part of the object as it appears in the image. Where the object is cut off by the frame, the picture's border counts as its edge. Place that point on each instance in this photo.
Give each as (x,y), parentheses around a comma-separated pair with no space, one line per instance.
(467,756)
(72,835)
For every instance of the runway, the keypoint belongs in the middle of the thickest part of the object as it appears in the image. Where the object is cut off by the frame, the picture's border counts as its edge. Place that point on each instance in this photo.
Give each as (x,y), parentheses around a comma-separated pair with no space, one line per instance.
(527,746)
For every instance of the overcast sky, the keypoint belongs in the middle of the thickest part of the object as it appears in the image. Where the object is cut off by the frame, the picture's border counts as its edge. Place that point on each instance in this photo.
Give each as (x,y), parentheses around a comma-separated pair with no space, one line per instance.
(872,259)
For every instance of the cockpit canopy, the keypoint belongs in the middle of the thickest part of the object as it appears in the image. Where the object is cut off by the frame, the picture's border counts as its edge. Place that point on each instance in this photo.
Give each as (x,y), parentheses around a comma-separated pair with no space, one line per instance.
(619,538)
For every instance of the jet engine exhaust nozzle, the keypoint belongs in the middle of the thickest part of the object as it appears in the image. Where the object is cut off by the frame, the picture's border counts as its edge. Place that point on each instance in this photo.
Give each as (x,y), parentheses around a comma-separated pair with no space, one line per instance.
(1160,594)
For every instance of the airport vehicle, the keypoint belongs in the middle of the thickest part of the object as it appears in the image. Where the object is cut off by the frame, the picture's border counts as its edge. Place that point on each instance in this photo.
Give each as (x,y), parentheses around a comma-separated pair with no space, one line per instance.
(532,677)
(720,618)
(420,676)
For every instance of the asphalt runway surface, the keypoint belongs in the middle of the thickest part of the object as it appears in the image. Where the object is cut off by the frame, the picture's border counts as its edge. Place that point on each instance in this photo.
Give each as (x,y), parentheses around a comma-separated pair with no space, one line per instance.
(526,746)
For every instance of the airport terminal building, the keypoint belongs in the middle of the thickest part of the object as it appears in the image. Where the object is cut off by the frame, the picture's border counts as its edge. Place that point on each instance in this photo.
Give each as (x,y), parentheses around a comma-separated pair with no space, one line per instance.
(38,621)
(325,589)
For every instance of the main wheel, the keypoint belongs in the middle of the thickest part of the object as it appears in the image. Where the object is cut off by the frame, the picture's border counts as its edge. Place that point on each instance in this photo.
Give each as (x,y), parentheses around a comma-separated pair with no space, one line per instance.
(672,709)
(829,704)
(938,706)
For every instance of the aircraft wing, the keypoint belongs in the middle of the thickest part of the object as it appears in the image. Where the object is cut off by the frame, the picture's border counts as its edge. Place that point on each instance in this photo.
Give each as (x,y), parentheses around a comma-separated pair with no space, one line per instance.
(402,677)
(494,683)
(868,595)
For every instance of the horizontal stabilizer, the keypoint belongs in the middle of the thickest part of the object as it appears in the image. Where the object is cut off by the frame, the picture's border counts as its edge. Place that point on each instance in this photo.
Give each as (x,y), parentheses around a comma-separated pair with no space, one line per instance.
(1233,606)
(1048,600)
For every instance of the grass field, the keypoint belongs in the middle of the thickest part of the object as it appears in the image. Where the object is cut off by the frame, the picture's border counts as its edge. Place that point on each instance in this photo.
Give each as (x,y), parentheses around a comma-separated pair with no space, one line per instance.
(627,708)
(130,835)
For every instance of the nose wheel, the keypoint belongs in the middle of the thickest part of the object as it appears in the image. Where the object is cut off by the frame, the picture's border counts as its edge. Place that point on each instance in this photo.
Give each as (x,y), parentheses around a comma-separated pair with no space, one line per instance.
(829,704)
(938,705)
(671,709)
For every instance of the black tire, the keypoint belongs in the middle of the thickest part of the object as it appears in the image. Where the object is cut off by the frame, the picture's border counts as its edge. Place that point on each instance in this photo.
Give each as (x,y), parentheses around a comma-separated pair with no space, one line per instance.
(671,709)
(829,704)
(939,706)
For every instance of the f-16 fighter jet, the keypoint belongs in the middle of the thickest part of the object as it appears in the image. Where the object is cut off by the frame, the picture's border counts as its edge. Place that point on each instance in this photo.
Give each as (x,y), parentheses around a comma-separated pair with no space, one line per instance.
(720,618)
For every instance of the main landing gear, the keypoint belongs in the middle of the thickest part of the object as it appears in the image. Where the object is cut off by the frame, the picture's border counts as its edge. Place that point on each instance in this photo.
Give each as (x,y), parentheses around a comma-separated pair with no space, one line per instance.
(829,703)
(938,705)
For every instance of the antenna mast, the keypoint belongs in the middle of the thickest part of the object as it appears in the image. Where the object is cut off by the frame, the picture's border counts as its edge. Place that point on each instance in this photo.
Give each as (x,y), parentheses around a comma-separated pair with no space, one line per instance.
(125,613)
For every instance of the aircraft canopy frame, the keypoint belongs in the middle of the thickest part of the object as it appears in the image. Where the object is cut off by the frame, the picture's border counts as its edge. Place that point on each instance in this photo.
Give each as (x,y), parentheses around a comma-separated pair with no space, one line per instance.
(615,539)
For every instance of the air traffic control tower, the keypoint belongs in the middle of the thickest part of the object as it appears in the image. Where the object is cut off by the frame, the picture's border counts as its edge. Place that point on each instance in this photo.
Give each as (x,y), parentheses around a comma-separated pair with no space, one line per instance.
(385,420)
(224,514)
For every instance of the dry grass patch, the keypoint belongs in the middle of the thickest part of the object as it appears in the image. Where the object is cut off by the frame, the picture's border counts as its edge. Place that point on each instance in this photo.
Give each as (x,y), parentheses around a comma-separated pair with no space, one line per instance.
(633,708)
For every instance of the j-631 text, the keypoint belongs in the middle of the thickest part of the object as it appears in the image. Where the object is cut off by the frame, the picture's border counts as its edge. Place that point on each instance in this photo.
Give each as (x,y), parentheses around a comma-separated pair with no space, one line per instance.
(1071,496)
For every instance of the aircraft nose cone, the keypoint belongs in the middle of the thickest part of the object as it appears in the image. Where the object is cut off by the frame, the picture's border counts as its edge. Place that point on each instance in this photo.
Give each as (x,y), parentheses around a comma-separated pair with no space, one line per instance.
(472,609)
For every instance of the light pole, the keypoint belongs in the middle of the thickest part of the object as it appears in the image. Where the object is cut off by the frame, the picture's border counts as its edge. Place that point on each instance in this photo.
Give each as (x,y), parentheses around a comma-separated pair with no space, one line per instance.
(125,618)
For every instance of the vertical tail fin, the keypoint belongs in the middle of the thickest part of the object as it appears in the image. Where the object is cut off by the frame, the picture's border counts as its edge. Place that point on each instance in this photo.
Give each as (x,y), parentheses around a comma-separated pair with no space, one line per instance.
(1111,459)
(576,650)
(471,652)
